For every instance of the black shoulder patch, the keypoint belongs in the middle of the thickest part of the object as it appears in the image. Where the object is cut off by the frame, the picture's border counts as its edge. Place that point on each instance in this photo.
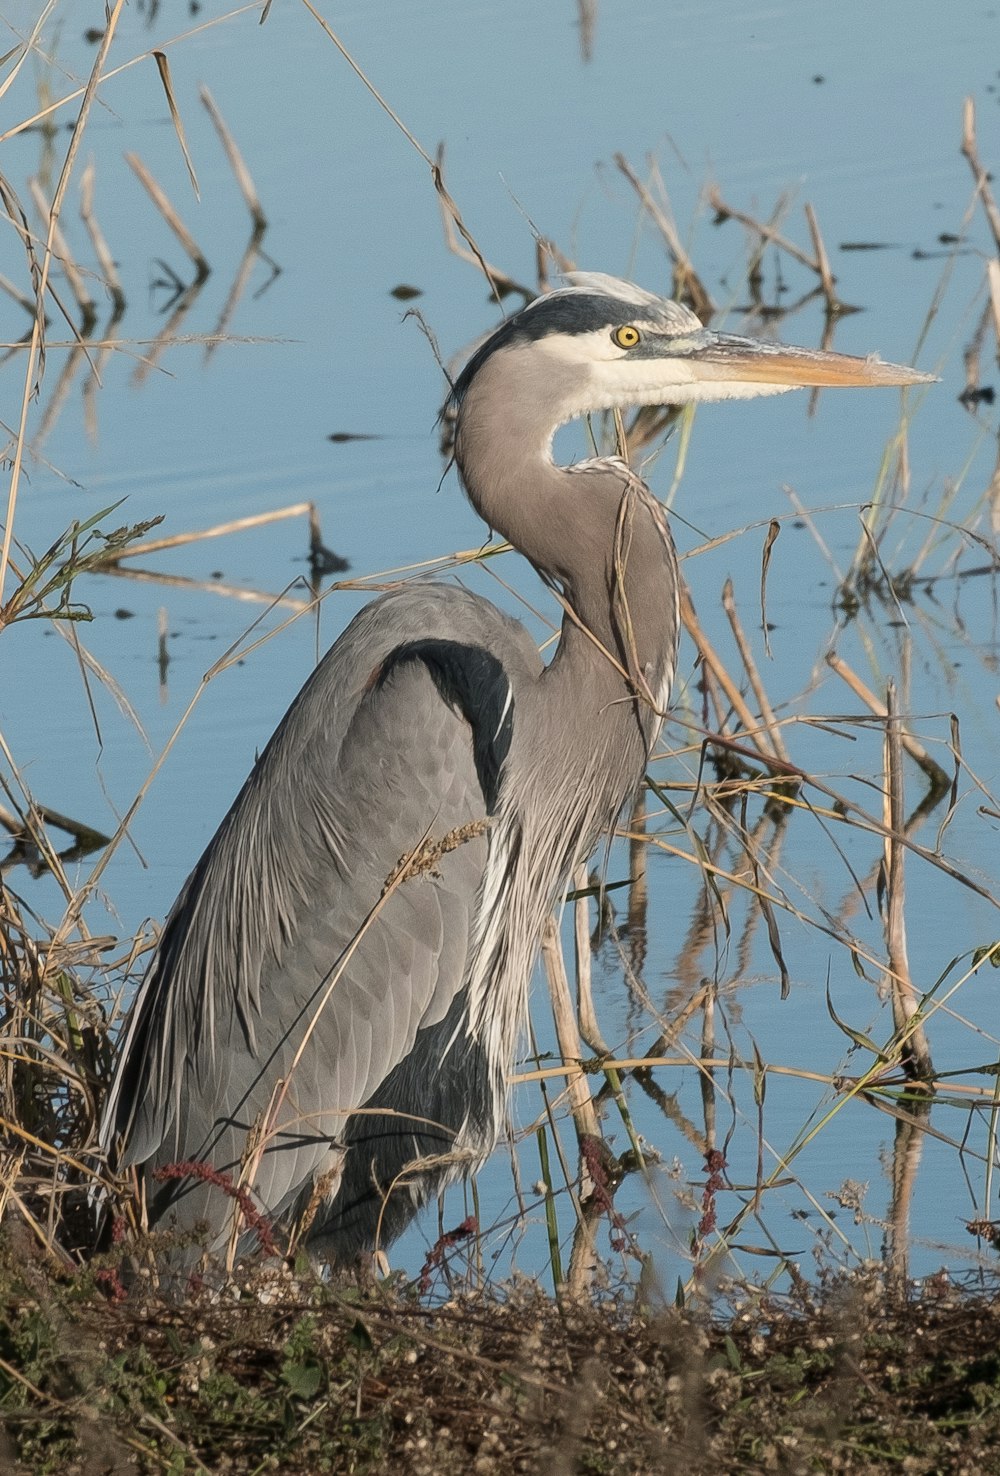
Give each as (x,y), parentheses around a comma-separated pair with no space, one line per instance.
(473,682)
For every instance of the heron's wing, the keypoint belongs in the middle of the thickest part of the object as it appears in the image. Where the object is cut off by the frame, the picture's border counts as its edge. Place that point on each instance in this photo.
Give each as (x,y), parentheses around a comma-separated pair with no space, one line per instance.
(286,959)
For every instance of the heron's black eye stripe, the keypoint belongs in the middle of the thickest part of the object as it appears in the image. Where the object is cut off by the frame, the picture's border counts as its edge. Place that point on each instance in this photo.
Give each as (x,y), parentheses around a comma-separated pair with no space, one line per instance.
(627,336)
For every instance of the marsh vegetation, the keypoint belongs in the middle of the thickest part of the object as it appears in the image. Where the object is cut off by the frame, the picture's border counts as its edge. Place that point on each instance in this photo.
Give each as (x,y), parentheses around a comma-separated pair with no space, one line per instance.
(747,1219)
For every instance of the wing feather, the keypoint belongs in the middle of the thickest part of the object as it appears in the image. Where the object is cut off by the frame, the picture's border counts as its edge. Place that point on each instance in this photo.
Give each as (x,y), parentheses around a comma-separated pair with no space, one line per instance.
(397,738)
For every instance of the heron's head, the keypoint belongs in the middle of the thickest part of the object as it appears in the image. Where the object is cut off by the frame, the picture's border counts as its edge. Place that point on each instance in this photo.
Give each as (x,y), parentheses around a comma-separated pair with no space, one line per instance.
(600,343)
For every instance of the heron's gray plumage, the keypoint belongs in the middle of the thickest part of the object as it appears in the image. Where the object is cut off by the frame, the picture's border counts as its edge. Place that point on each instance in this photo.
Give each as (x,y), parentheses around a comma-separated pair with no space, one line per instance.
(364,765)
(307,996)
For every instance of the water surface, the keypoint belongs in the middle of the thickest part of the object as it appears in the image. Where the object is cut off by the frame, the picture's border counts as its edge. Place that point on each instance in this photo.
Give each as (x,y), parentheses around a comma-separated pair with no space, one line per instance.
(856,110)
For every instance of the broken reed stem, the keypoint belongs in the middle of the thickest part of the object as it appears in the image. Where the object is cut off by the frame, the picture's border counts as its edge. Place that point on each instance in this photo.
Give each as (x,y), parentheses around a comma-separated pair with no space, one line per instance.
(238,592)
(936,775)
(547,253)
(589,1028)
(60,394)
(907,1151)
(706,1077)
(163,67)
(170,334)
(753,675)
(583,1260)
(823,262)
(732,693)
(570,1045)
(20,826)
(993,281)
(905,1002)
(973,350)
(979,174)
(499,282)
(101,250)
(235,525)
(766,232)
(71,271)
(687,1059)
(236,162)
(166,209)
(686,280)
(315,531)
(453,216)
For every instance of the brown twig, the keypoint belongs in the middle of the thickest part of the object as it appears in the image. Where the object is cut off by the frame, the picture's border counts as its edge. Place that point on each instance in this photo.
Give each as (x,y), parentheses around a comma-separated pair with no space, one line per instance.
(979,174)
(100,245)
(244,593)
(937,776)
(833,303)
(687,283)
(587,1015)
(19,826)
(993,282)
(766,232)
(236,163)
(160,199)
(500,283)
(220,530)
(163,67)
(905,1001)
(570,1045)
(72,272)
(734,696)
(753,675)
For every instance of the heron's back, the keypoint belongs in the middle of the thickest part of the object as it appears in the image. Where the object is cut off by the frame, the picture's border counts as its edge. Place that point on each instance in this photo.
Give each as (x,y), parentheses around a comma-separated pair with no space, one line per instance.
(289,986)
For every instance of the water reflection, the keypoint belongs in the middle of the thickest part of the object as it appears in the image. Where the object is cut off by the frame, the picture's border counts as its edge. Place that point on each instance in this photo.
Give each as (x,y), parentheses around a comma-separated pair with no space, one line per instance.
(679,970)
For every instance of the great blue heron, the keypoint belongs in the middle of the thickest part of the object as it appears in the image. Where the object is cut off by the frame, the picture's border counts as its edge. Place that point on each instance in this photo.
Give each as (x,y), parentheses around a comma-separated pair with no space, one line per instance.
(338,991)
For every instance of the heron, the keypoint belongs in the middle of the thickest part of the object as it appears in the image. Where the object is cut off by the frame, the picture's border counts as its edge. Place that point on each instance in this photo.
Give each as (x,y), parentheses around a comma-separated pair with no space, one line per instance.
(334,1004)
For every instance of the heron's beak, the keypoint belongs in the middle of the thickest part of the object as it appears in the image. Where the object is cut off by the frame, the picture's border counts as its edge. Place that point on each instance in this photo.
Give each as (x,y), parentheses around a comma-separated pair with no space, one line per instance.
(725,356)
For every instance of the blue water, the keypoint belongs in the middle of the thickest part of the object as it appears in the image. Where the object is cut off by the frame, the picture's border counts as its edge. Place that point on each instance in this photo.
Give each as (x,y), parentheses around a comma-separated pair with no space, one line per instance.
(855,109)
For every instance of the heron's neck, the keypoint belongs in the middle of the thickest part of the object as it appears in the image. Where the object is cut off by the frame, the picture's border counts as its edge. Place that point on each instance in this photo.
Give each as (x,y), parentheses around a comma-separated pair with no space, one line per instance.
(596,530)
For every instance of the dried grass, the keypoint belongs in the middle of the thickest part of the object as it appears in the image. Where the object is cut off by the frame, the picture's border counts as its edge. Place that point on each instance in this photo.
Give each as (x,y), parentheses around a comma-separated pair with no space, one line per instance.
(732,753)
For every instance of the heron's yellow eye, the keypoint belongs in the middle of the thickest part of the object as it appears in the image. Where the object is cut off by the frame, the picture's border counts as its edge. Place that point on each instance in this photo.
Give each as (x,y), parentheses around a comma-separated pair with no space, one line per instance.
(626,337)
